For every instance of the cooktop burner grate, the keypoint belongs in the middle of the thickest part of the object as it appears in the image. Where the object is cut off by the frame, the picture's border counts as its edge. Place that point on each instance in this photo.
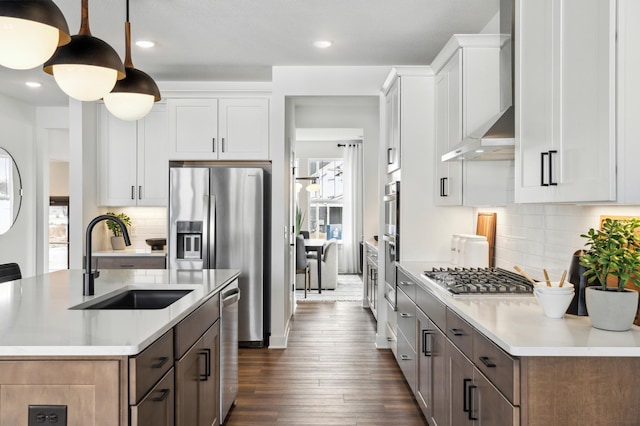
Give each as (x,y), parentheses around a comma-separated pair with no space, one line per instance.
(480,281)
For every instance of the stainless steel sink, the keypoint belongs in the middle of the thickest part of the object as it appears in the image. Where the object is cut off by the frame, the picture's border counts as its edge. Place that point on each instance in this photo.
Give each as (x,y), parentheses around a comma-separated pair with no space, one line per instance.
(138,299)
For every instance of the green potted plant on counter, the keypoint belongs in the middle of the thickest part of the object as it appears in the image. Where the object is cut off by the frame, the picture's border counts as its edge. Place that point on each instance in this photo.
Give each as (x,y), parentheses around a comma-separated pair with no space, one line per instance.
(117,240)
(613,251)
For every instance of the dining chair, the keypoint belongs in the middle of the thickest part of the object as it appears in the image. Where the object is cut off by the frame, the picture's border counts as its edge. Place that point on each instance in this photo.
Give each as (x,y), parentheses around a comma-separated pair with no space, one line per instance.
(305,234)
(10,272)
(302,264)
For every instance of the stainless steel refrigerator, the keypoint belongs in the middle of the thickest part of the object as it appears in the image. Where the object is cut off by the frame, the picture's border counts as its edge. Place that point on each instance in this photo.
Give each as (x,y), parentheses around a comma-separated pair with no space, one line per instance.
(218,220)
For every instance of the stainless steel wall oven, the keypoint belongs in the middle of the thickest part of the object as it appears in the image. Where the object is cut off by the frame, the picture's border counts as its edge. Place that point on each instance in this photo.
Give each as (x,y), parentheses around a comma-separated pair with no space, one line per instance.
(391,239)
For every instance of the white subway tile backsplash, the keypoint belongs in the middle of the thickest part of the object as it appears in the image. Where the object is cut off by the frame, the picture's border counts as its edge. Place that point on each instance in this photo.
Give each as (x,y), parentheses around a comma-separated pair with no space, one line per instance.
(146,222)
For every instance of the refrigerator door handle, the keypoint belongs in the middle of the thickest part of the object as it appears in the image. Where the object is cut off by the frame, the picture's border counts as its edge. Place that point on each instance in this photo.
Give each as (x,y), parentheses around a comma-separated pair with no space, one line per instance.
(209,233)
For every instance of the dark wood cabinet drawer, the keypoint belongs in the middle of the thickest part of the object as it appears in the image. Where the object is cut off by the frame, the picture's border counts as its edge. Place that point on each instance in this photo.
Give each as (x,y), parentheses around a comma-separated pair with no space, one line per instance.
(189,330)
(407,284)
(129,262)
(499,367)
(407,360)
(460,333)
(435,310)
(157,407)
(406,317)
(149,366)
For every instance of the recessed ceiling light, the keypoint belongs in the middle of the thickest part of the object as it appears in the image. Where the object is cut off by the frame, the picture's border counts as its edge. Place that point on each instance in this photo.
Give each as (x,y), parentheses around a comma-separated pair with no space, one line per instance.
(145,44)
(33,84)
(479,151)
(322,44)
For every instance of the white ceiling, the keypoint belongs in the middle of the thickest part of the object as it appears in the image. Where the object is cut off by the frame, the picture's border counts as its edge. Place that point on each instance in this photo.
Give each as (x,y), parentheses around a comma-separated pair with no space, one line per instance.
(240,40)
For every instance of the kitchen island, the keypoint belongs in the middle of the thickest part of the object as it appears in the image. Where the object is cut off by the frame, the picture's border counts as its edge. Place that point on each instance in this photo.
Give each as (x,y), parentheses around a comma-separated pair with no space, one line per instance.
(108,367)
(498,360)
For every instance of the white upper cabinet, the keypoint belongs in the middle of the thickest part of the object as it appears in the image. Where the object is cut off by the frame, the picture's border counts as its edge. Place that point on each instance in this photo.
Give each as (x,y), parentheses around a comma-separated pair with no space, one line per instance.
(218,129)
(449,131)
(467,95)
(132,158)
(393,136)
(565,59)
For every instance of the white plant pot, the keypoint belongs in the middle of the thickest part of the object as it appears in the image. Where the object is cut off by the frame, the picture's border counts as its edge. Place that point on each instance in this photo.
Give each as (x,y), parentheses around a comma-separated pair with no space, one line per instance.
(117,243)
(611,310)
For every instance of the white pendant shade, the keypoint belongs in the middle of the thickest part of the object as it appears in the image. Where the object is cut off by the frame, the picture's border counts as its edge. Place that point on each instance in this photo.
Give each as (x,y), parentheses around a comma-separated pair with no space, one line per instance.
(85,82)
(128,106)
(25,44)
(313,187)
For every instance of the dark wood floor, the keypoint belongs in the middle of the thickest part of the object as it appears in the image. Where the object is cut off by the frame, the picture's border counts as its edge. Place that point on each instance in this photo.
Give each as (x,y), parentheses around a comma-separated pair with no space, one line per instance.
(330,374)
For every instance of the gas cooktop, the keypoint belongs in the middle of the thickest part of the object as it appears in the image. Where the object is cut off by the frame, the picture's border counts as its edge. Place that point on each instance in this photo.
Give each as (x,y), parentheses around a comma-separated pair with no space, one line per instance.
(480,281)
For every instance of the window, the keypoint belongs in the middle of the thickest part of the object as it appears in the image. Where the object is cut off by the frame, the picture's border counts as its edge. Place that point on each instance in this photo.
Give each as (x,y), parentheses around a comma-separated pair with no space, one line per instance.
(325,205)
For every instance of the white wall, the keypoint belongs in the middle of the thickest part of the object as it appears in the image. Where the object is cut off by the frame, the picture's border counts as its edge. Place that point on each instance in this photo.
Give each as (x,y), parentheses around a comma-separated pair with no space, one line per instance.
(300,81)
(17,121)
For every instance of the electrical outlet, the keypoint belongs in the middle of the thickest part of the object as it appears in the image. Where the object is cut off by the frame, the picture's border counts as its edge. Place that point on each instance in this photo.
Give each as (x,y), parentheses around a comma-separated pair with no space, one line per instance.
(40,415)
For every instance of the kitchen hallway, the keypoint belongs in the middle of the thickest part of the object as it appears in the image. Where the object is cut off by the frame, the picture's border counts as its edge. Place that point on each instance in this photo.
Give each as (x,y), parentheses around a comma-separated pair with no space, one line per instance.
(330,374)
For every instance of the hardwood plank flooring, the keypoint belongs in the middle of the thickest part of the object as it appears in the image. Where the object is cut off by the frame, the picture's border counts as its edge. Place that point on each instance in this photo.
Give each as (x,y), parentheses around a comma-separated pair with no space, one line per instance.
(330,374)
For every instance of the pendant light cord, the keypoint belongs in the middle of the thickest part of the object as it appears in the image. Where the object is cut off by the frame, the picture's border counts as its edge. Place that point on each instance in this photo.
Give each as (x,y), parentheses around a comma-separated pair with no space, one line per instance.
(127,10)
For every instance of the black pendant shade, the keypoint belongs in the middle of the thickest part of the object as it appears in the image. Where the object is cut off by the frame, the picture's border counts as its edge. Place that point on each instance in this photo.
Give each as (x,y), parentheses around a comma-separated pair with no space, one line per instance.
(86,50)
(42,11)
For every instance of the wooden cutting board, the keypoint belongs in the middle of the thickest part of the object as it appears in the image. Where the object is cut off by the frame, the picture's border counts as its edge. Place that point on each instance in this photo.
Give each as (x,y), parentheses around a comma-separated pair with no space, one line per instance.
(487,226)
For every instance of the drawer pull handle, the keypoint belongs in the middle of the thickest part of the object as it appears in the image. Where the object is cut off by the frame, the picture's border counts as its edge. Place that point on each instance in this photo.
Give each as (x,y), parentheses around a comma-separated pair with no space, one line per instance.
(165,393)
(162,362)
(405,357)
(405,315)
(426,342)
(465,395)
(486,362)
(406,283)
(456,331)
(207,365)
(470,391)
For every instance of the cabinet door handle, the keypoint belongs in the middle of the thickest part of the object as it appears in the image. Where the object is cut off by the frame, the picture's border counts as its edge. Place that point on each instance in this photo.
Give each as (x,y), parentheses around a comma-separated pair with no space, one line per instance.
(213,145)
(164,394)
(140,192)
(207,365)
(426,342)
(160,363)
(465,395)
(222,144)
(443,187)
(406,282)
(456,332)
(485,360)
(405,357)
(551,182)
(133,192)
(470,392)
(127,266)
(542,155)
(405,315)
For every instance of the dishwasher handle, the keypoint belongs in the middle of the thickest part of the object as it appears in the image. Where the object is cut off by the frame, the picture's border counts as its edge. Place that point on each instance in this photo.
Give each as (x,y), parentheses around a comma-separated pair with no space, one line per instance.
(230,297)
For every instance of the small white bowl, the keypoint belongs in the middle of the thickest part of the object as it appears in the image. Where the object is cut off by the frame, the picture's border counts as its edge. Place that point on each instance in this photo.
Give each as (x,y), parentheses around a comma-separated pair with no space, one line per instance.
(554,288)
(554,305)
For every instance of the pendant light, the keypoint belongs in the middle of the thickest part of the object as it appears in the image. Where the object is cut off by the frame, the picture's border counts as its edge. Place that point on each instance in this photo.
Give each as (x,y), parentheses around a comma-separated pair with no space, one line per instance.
(132,97)
(30,31)
(87,68)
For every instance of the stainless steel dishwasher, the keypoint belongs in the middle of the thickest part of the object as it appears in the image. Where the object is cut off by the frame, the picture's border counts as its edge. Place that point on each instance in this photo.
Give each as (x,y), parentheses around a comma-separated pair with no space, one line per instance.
(228,348)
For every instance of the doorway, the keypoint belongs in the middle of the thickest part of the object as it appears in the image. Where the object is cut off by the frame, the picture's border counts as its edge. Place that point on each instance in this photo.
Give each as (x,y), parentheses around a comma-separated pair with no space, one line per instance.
(58,233)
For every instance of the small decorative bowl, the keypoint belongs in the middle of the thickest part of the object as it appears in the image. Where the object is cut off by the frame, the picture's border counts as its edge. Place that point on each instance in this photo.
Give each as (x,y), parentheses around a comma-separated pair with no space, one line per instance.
(156,243)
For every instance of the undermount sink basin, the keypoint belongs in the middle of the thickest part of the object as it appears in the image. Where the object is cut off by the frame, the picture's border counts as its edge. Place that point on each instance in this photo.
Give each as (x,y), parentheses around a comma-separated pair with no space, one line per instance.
(139,299)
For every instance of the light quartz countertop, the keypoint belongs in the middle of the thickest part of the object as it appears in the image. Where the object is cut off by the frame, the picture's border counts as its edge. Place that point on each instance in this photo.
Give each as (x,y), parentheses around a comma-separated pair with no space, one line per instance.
(35,318)
(131,252)
(518,325)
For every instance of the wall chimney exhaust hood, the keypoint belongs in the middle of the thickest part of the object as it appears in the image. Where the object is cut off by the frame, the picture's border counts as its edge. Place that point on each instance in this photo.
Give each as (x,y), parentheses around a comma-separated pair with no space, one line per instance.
(495,140)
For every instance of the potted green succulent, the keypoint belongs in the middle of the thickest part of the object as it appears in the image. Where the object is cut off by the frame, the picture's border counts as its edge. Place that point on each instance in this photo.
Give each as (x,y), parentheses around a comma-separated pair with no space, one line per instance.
(613,253)
(117,240)
(299,220)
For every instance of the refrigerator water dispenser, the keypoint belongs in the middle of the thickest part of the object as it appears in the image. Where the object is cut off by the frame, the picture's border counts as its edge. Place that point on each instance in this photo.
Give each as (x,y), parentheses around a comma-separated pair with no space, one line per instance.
(189,239)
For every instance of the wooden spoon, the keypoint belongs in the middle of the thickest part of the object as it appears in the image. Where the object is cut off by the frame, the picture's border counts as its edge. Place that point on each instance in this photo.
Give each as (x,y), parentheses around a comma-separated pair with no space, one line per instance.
(546,277)
(564,275)
(524,274)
